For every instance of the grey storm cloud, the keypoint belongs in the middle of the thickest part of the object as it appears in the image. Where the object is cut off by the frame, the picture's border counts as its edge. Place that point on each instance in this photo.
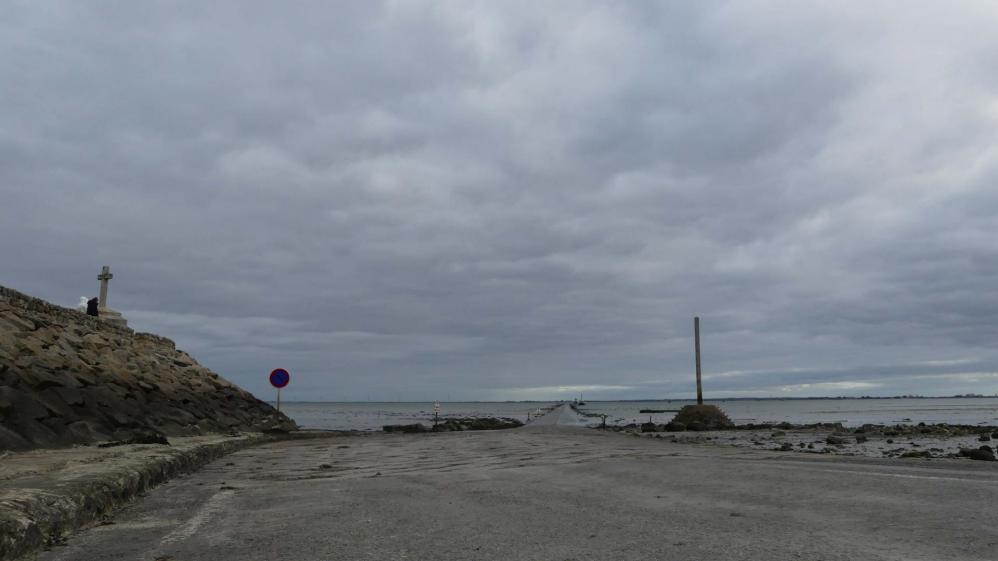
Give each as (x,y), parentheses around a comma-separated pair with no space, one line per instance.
(518,200)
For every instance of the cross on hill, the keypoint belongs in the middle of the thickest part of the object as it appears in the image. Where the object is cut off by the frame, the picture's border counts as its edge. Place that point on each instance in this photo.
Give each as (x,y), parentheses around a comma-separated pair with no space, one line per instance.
(104,311)
(104,276)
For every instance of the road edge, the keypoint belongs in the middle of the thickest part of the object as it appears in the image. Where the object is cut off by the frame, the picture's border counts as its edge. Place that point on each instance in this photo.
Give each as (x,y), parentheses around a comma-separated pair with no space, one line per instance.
(45,517)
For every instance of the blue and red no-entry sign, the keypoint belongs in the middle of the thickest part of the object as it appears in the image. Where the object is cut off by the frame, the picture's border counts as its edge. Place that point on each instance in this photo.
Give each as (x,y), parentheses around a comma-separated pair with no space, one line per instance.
(279,378)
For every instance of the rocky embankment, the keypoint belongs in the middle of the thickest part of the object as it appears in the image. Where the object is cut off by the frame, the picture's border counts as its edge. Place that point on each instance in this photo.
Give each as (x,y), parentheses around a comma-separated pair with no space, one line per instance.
(67,378)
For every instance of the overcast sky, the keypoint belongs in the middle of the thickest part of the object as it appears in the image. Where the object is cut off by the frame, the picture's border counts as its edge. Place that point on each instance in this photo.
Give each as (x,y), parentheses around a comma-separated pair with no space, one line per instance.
(517,200)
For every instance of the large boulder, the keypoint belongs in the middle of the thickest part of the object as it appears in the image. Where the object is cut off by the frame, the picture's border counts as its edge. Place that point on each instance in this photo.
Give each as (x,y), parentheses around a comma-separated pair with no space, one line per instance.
(67,378)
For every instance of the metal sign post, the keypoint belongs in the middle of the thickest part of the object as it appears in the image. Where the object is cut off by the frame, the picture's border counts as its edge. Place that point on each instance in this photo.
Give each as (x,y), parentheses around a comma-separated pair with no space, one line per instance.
(279,378)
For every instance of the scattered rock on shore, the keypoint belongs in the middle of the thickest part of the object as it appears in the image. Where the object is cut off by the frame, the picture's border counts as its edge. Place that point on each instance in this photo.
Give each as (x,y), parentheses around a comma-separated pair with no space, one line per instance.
(411,428)
(983,453)
(146,436)
(477,423)
(458,424)
(916,454)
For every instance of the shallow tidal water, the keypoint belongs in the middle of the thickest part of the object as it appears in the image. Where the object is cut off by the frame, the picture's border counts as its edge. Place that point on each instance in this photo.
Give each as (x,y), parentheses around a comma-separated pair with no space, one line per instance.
(850,412)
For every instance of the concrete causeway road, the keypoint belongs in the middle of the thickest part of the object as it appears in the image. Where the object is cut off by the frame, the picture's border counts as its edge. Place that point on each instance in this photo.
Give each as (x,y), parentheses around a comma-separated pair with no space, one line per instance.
(560,417)
(548,494)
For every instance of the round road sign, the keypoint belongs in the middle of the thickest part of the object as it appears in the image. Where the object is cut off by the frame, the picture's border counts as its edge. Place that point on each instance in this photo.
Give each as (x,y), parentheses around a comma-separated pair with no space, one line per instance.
(279,378)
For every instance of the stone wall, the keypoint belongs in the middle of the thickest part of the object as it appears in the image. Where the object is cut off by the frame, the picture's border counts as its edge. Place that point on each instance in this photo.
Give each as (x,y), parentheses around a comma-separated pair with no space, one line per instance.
(67,378)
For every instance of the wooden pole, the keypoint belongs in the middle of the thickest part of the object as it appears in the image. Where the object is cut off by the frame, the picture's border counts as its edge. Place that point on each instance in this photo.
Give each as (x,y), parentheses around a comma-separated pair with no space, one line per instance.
(696,337)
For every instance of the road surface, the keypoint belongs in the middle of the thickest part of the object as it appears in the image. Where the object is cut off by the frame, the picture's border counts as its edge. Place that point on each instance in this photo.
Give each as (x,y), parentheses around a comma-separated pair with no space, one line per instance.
(549,494)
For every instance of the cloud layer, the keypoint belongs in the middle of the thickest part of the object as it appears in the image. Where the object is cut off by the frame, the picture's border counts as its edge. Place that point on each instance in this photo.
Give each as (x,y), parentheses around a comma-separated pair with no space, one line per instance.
(512,200)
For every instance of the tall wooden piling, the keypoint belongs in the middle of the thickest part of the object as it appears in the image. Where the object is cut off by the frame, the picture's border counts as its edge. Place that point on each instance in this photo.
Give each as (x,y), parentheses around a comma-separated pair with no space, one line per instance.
(696,344)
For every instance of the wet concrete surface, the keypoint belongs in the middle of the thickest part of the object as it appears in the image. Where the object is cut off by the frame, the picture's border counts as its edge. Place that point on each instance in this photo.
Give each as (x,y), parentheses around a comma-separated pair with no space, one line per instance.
(569,494)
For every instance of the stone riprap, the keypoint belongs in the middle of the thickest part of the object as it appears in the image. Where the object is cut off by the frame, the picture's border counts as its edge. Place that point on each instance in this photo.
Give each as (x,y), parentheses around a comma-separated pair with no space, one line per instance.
(67,378)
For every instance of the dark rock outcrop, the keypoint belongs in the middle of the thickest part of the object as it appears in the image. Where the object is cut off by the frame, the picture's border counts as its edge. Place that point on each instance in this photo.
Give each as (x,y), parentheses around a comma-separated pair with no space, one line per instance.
(459,424)
(983,453)
(916,454)
(649,427)
(67,378)
(414,427)
(479,423)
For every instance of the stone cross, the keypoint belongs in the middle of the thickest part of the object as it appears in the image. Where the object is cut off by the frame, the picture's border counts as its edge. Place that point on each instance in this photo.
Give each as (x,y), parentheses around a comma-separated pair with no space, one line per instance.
(104,276)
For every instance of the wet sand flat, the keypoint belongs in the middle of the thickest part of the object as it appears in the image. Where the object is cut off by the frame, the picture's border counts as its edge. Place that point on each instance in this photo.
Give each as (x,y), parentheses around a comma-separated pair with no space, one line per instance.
(814,441)
(552,493)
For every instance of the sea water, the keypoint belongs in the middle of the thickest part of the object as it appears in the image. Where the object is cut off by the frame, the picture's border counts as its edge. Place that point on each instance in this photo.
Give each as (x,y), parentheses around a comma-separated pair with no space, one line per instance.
(374,415)
(849,412)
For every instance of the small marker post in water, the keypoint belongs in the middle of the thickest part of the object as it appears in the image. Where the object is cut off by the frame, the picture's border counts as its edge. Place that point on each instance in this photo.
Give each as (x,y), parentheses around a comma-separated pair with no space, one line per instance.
(696,338)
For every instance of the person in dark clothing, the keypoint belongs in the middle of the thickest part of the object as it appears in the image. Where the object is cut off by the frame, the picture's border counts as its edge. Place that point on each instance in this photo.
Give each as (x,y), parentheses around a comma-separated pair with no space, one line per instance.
(92,307)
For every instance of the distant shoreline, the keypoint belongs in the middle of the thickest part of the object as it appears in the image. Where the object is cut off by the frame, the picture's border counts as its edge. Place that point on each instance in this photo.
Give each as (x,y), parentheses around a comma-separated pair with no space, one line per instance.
(663,400)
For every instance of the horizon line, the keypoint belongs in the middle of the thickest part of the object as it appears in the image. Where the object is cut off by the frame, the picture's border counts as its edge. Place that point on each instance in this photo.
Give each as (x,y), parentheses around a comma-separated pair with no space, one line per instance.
(797,398)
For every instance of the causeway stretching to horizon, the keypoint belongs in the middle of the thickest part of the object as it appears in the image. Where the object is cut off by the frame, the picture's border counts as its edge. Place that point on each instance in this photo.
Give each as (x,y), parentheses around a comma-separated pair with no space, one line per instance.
(119,446)
(475,280)
(550,490)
